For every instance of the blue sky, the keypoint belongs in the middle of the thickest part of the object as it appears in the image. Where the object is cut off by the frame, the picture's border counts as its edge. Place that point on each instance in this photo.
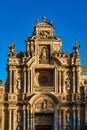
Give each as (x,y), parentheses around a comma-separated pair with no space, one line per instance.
(17,19)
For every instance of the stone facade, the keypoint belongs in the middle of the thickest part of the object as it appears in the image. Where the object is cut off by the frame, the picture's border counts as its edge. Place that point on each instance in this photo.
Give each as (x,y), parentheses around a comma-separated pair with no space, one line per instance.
(46,88)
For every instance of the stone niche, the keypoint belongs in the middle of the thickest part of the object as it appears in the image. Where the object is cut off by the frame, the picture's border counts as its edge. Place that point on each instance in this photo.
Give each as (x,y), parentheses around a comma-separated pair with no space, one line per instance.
(44,54)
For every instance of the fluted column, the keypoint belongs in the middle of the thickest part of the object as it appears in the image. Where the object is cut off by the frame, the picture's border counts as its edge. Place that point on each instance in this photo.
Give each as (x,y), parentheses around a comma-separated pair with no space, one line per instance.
(24,118)
(3,119)
(74,119)
(10,119)
(28,117)
(56,120)
(32,121)
(86,115)
(24,81)
(10,81)
(64,90)
(14,81)
(29,79)
(56,81)
(60,123)
(78,118)
(14,119)
(59,81)
(64,119)
(74,81)
(78,76)
(32,79)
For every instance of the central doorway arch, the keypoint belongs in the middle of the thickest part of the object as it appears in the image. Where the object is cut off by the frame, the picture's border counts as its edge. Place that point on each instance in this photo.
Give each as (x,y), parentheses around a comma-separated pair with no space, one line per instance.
(44,121)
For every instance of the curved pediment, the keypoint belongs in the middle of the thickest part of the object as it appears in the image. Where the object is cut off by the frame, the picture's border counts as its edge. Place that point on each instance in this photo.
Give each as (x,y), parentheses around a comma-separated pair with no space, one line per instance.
(43,96)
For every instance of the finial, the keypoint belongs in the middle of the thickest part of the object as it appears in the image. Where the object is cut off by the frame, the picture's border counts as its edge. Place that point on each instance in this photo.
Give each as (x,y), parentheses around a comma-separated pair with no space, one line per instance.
(51,21)
(77,46)
(44,18)
(37,21)
(12,45)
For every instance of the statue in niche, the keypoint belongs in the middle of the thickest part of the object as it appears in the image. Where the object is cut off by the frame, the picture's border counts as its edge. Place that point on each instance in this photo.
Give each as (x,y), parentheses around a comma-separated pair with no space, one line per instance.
(19,116)
(44,54)
(44,105)
(67,84)
(18,83)
(68,116)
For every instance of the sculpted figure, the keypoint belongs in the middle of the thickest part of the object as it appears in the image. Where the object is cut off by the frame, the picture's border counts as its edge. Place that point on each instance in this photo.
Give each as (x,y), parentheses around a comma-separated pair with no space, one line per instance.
(19,116)
(44,105)
(68,84)
(68,116)
(18,83)
(44,54)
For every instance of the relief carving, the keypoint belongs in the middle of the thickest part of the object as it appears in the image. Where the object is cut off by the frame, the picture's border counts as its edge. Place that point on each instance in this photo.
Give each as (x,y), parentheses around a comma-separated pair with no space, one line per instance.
(19,116)
(68,116)
(18,83)
(67,84)
(43,105)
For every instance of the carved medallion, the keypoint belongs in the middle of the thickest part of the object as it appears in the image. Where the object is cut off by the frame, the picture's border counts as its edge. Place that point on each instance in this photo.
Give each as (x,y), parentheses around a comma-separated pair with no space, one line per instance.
(43,78)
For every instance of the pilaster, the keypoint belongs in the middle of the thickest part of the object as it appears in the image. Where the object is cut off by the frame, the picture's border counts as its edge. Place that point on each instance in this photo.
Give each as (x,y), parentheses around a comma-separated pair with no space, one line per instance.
(24,118)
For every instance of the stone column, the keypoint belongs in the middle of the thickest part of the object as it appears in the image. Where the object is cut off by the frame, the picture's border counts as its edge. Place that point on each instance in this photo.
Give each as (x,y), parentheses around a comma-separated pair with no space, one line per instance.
(3,119)
(74,119)
(10,81)
(64,89)
(59,81)
(56,81)
(60,123)
(10,119)
(14,119)
(78,118)
(28,117)
(29,79)
(78,84)
(24,81)
(32,79)
(24,118)
(64,119)
(86,115)
(56,120)
(14,81)
(74,80)
(32,121)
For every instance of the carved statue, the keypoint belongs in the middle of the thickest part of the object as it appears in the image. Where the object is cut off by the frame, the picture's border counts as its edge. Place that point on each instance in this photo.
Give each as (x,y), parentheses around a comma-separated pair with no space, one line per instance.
(19,116)
(67,84)
(18,83)
(68,116)
(44,54)
(44,105)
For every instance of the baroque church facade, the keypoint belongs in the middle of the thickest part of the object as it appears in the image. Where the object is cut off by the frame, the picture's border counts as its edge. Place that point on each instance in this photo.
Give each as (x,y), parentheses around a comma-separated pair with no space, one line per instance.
(46,88)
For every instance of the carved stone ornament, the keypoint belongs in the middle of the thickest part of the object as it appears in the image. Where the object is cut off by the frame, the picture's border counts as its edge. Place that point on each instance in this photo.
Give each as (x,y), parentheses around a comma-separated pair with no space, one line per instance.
(67,84)
(19,116)
(18,85)
(68,116)
(43,105)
